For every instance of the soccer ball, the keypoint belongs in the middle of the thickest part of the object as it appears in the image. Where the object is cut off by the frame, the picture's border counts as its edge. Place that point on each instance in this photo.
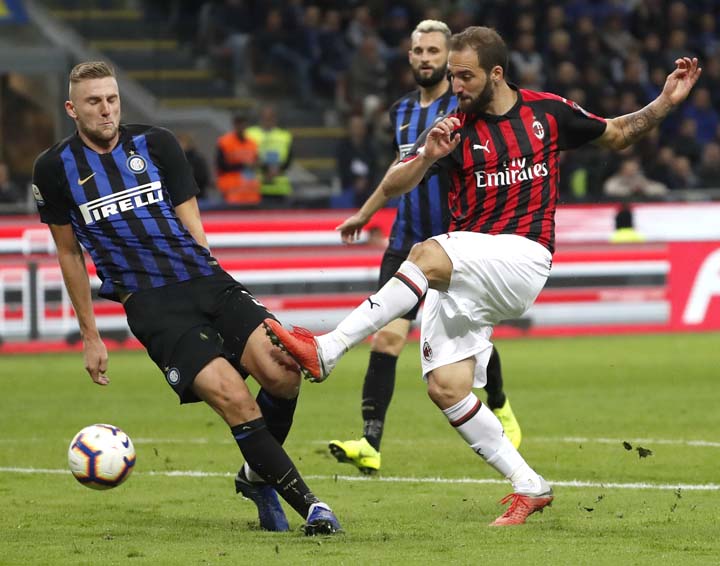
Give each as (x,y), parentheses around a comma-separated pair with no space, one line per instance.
(101,456)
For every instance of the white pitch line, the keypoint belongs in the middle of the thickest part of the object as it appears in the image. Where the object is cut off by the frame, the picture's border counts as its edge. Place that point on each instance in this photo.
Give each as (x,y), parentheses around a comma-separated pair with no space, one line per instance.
(558,483)
(529,439)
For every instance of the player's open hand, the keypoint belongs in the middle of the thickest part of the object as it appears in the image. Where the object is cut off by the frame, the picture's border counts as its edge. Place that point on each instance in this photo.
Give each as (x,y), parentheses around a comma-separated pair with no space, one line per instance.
(96,360)
(679,83)
(351,228)
(441,140)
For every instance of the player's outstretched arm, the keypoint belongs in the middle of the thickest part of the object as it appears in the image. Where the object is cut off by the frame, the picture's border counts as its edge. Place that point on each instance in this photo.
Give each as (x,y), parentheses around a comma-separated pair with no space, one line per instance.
(406,175)
(72,265)
(189,214)
(352,226)
(625,130)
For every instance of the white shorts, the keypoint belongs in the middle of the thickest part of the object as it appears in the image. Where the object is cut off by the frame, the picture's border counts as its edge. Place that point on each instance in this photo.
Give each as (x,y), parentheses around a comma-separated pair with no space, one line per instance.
(494,278)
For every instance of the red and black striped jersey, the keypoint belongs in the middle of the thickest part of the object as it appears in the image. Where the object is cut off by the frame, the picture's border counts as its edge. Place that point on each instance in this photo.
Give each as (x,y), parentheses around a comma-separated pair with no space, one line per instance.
(504,174)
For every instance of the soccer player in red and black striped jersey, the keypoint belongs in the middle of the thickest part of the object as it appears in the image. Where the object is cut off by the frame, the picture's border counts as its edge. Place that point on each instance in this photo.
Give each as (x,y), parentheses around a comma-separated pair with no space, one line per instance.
(421,213)
(127,194)
(501,150)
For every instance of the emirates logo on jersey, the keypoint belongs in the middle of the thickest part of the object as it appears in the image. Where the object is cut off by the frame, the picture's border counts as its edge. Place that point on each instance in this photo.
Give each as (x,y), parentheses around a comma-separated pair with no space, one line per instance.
(511,172)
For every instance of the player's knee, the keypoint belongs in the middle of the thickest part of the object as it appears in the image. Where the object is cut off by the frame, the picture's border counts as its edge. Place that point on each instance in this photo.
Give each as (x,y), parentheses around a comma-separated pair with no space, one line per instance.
(284,384)
(430,257)
(420,254)
(386,342)
(270,366)
(221,387)
(443,392)
(437,393)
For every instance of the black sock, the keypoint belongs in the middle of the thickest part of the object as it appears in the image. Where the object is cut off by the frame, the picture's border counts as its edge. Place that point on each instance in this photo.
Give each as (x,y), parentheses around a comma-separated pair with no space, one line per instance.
(270,461)
(278,414)
(377,393)
(494,386)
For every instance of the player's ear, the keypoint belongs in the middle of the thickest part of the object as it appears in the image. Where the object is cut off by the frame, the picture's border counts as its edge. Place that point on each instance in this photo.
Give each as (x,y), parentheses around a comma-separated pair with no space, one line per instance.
(497,73)
(70,109)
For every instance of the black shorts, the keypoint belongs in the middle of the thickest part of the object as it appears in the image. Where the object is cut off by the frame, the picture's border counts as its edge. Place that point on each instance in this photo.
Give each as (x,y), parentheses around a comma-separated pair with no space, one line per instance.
(186,325)
(391,262)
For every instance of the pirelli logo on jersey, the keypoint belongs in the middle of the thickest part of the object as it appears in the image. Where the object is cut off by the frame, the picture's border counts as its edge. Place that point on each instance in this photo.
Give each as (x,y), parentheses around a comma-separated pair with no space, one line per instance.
(514,171)
(129,199)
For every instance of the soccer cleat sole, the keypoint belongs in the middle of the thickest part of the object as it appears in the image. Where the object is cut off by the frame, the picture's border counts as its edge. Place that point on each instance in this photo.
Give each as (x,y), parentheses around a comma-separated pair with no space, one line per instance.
(342,458)
(322,527)
(304,372)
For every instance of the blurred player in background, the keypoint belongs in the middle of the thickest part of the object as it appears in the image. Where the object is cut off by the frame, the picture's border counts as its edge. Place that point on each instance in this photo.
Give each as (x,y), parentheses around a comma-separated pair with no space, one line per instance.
(501,150)
(421,213)
(127,194)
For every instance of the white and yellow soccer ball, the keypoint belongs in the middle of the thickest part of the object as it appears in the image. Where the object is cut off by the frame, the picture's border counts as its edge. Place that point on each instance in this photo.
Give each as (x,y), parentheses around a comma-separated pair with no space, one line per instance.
(101,456)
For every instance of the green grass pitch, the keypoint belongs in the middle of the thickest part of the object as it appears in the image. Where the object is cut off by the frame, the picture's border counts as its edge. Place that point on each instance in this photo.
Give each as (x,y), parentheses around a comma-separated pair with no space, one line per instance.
(577,399)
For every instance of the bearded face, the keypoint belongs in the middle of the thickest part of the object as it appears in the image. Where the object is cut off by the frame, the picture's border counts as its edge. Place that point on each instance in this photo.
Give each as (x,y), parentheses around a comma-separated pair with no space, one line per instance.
(428,76)
(478,103)
(472,84)
(428,58)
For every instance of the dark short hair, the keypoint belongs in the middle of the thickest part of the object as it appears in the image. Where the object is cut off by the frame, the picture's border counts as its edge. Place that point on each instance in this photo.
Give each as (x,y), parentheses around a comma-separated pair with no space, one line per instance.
(487,43)
(91,70)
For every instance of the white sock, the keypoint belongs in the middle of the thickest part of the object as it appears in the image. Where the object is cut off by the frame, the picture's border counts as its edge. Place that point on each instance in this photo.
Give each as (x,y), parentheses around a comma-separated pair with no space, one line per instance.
(481,429)
(394,299)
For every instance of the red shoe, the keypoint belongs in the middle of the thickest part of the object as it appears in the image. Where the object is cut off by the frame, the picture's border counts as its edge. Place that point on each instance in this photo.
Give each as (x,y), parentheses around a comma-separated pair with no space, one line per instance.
(301,345)
(521,507)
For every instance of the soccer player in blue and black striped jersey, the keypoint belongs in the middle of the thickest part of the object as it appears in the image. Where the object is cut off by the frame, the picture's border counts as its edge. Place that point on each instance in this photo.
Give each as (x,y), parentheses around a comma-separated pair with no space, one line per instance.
(126,193)
(421,213)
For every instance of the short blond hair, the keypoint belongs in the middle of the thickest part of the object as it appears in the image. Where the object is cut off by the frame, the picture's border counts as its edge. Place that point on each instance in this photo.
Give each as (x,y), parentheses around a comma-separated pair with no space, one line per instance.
(428,26)
(91,70)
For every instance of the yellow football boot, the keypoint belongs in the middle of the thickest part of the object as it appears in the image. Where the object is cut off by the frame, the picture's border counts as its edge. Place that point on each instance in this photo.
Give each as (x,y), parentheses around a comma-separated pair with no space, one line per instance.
(509,423)
(356,452)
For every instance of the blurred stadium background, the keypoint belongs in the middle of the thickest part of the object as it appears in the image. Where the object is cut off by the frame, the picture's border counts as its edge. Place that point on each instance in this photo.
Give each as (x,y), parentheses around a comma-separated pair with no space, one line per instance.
(330,70)
(580,384)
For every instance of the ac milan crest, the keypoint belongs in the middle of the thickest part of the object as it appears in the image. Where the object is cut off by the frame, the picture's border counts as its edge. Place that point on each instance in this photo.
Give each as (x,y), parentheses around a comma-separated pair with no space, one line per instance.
(538,130)
(427,351)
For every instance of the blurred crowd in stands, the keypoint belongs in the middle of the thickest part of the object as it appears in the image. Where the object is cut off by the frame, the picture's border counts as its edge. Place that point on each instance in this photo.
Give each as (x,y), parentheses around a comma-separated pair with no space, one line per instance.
(611,57)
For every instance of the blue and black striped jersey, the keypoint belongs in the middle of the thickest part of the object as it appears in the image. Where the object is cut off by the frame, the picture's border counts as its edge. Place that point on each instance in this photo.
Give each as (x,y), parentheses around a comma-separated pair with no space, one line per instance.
(422,212)
(121,207)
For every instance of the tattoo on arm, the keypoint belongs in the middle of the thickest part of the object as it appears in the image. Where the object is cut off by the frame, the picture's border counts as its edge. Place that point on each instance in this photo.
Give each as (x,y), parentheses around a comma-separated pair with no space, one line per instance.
(636,125)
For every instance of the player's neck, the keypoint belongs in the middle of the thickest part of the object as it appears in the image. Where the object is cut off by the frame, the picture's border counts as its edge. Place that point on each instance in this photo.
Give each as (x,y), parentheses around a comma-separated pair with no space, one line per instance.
(504,99)
(104,147)
(428,95)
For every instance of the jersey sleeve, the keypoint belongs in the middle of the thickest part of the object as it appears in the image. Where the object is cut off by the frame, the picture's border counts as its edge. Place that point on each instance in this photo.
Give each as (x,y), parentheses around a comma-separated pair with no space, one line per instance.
(47,189)
(176,171)
(442,163)
(576,125)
